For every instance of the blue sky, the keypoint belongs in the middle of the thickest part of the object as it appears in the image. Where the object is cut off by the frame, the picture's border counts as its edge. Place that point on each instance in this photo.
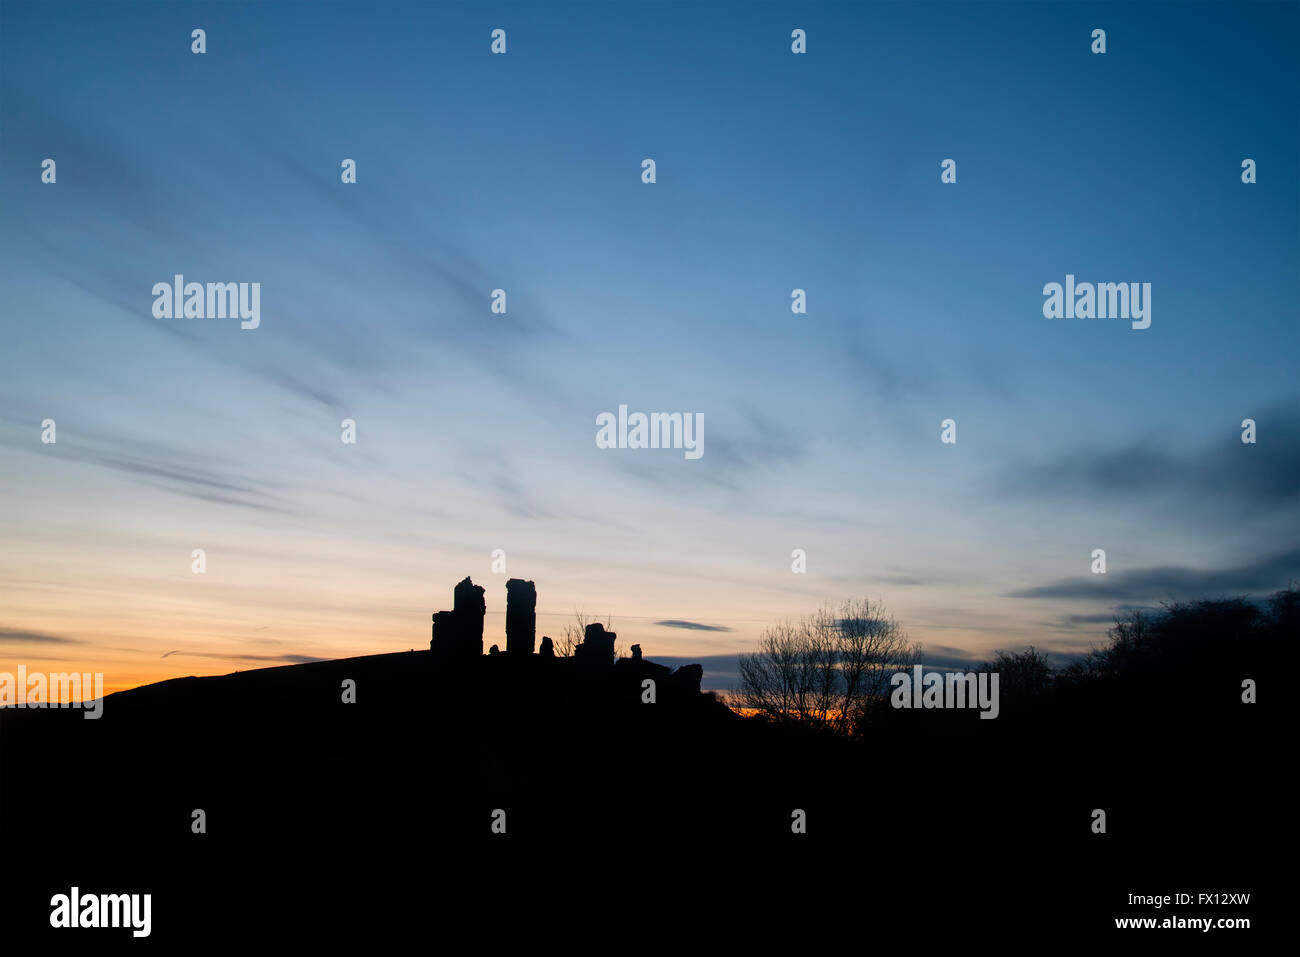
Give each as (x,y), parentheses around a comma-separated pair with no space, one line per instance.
(476,431)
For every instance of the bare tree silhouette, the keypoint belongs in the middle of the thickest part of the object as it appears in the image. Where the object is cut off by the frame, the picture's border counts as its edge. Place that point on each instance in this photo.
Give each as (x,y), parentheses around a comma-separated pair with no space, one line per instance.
(826,669)
(571,634)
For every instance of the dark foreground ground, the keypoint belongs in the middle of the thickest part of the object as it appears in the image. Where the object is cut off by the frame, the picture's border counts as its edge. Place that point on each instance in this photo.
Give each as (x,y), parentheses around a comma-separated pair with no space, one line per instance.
(664,825)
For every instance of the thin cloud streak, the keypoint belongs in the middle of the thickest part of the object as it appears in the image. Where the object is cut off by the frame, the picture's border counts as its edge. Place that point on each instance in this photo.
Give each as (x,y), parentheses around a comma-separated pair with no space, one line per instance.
(35,637)
(1174,581)
(690,625)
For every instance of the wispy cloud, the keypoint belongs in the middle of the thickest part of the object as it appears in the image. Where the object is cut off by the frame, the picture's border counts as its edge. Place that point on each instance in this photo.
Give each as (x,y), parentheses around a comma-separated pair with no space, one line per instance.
(1073,621)
(516,499)
(737,444)
(950,657)
(168,467)
(1175,581)
(34,637)
(286,659)
(1253,478)
(690,625)
(191,480)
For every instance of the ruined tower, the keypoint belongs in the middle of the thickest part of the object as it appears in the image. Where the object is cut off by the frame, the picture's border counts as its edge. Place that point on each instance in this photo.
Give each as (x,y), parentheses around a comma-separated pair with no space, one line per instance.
(459,632)
(597,646)
(521,616)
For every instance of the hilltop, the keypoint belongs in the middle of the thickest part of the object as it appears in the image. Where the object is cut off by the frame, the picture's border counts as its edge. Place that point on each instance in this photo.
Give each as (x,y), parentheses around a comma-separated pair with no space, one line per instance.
(450,784)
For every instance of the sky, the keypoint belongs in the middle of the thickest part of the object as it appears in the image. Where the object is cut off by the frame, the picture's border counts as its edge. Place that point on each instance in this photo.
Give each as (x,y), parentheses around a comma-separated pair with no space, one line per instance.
(475,431)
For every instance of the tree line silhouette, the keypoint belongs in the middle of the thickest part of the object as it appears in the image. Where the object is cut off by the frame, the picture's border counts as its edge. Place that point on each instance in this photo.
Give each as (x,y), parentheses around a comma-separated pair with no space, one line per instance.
(831,670)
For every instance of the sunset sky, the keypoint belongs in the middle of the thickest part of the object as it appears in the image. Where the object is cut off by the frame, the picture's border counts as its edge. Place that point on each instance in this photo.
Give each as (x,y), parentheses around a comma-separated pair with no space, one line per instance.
(476,431)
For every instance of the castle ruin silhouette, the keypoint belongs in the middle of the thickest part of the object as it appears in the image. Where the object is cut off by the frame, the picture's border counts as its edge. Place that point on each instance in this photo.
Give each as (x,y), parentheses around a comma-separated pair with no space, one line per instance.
(458,635)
